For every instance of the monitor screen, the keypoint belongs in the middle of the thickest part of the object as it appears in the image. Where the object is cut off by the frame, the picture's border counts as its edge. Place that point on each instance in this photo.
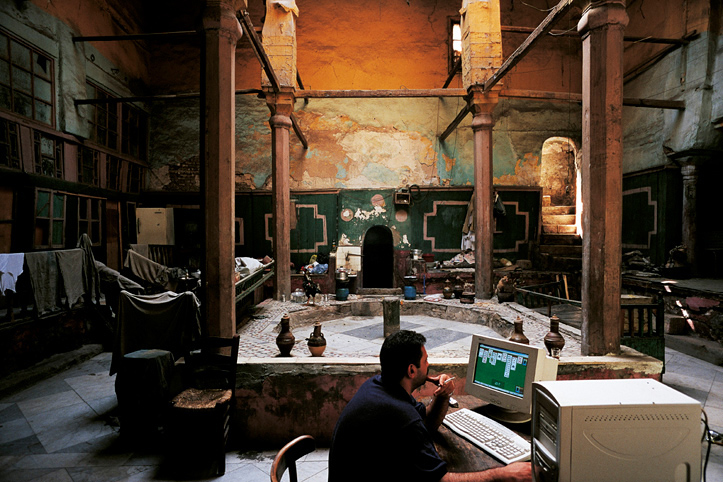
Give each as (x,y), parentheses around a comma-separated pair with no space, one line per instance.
(501,373)
(501,369)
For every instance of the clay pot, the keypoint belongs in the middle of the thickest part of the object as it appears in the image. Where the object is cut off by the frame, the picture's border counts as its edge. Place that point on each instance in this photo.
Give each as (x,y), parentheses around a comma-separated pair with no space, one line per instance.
(554,340)
(467,297)
(285,340)
(457,291)
(447,290)
(518,336)
(316,341)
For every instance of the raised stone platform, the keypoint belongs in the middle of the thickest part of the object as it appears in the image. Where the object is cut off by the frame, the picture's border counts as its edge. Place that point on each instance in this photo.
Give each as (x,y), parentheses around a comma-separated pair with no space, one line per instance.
(279,398)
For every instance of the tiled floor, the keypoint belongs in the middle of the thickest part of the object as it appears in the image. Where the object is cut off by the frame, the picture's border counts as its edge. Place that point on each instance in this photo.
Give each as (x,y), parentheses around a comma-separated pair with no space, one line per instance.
(63,429)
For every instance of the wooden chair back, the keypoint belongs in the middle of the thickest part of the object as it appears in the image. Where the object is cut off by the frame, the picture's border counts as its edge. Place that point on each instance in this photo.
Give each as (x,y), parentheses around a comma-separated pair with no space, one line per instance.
(289,454)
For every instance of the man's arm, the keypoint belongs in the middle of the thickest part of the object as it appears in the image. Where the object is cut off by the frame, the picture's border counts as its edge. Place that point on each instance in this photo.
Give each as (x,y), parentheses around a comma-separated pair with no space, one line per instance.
(440,402)
(516,472)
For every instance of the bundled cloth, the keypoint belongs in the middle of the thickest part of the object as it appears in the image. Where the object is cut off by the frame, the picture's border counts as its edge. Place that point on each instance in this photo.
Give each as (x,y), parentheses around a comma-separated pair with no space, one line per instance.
(247,266)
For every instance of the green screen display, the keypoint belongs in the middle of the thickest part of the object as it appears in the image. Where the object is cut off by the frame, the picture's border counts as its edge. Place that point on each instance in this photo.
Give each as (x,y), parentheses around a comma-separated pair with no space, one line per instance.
(501,369)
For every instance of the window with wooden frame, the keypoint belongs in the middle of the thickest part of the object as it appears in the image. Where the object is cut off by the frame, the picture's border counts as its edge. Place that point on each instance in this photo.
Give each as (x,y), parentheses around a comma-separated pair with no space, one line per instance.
(135,179)
(48,152)
(26,80)
(103,118)
(89,210)
(113,173)
(9,144)
(49,219)
(88,160)
(134,128)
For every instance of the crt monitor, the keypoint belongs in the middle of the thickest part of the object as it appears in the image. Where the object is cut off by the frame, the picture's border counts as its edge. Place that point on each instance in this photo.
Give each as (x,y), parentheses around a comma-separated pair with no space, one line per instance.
(501,372)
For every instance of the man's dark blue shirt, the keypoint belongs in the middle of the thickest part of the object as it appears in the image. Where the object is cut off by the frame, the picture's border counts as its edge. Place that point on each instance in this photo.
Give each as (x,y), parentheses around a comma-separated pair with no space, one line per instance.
(381,435)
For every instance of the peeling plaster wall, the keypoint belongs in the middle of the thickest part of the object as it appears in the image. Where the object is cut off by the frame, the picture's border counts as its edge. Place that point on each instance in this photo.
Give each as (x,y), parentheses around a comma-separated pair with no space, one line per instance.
(687,73)
(369,144)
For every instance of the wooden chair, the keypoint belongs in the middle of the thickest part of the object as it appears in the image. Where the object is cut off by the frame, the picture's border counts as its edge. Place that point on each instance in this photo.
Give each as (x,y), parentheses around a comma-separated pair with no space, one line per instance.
(642,328)
(199,418)
(289,454)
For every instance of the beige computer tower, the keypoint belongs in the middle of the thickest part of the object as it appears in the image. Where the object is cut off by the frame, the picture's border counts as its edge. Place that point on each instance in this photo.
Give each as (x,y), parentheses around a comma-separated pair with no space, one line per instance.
(614,430)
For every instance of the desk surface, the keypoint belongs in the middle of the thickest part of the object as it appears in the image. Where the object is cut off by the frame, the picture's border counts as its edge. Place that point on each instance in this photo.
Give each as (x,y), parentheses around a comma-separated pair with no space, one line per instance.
(461,455)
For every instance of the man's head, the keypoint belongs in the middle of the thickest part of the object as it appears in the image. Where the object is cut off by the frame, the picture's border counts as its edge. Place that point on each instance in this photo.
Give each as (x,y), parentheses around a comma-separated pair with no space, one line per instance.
(399,351)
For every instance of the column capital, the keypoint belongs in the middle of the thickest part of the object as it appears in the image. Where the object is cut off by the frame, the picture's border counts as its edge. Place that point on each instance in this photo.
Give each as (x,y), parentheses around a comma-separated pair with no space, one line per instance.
(220,15)
(282,102)
(482,105)
(603,13)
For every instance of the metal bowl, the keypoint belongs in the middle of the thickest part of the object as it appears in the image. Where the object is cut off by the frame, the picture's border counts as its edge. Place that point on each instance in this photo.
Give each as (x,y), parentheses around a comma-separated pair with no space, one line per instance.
(415,253)
(342,276)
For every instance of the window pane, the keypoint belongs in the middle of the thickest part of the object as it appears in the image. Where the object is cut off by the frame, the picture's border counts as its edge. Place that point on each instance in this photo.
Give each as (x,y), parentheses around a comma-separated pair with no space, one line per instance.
(20,55)
(47,146)
(21,81)
(5,98)
(23,105)
(42,232)
(94,209)
(94,232)
(58,233)
(4,72)
(4,47)
(43,90)
(58,205)
(43,112)
(83,208)
(83,228)
(41,66)
(42,209)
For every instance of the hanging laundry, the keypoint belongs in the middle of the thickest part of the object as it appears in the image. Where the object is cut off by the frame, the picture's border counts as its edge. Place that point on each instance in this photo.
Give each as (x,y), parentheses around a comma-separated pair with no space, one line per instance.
(11,266)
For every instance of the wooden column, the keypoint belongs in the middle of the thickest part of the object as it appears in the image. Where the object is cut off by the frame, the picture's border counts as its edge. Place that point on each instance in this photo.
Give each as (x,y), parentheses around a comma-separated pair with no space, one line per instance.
(281,105)
(482,106)
(222,32)
(601,28)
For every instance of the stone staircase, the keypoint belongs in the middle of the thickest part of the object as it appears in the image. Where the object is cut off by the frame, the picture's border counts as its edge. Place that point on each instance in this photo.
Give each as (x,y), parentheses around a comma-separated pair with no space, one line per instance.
(560,246)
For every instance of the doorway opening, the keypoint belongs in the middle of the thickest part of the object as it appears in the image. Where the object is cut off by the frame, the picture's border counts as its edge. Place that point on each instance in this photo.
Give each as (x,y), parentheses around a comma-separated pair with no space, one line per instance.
(560,179)
(378,258)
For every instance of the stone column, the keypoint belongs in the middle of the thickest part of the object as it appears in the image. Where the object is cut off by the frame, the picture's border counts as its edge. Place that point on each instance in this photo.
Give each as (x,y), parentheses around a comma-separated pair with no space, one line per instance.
(689,170)
(281,105)
(482,106)
(222,32)
(601,28)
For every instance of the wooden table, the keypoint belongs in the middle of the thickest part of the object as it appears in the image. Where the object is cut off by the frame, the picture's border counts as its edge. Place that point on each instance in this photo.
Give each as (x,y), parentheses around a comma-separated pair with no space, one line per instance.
(461,455)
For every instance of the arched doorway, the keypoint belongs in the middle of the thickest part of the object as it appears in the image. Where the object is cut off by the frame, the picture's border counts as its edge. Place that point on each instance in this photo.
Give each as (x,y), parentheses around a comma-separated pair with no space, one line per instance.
(378,258)
(561,182)
(557,171)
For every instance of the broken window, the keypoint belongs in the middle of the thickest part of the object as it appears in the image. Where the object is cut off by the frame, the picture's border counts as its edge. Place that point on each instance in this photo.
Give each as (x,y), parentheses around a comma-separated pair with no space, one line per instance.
(26,80)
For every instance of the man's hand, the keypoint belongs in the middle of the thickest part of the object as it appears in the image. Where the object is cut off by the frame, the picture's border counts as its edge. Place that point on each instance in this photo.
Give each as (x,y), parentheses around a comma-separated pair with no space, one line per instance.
(445,385)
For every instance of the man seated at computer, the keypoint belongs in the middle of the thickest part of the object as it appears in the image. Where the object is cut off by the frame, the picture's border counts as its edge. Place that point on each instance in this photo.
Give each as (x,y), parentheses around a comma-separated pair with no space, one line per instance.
(384,434)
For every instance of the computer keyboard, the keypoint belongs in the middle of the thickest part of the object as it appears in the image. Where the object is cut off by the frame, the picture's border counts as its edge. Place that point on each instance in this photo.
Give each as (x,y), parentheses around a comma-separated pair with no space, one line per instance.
(492,437)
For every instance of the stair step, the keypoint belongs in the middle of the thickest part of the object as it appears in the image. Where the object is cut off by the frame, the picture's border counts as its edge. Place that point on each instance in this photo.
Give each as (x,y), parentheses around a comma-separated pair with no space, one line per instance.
(558,210)
(568,239)
(562,250)
(558,219)
(546,200)
(559,229)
